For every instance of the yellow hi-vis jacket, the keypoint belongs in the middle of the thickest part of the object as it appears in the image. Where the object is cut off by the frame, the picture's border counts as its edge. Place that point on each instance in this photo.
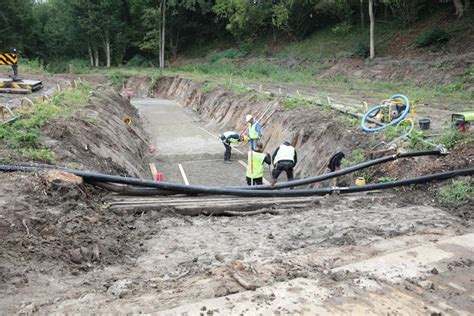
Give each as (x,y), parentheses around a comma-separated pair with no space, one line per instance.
(253,133)
(255,163)
(285,152)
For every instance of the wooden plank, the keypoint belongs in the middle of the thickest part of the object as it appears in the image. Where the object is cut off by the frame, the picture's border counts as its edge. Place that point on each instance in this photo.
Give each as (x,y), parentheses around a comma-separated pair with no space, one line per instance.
(153,170)
(183,174)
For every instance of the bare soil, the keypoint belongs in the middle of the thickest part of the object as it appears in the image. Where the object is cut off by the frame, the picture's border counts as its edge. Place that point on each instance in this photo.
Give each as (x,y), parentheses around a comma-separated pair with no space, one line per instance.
(62,237)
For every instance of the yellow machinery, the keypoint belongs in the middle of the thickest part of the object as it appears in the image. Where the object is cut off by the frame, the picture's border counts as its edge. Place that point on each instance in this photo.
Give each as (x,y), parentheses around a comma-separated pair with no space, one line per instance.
(16,84)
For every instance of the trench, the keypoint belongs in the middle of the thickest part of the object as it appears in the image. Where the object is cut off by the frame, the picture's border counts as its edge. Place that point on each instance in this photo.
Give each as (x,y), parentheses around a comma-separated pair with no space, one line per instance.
(184,263)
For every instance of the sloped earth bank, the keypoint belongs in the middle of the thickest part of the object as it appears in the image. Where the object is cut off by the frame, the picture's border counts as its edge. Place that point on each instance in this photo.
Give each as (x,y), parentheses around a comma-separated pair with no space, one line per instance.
(317,134)
(53,229)
(64,253)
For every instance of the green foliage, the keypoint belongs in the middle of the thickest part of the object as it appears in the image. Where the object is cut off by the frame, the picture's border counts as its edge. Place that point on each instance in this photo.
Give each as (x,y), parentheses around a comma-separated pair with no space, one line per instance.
(358,156)
(386,179)
(415,141)
(117,78)
(470,72)
(456,193)
(342,28)
(24,134)
(208,87)
(31,64)
(290,104)
(138,61)
(280,17)
(62,66)
(406,10)
(435,37)
(231,53)
(452,137)
(45,155)
(153,81)
(361,49)
(391,132)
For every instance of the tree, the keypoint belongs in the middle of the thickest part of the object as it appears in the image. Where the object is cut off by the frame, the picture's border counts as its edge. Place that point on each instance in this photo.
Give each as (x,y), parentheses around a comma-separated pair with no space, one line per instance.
(18,23)
(460,8)
(372,29)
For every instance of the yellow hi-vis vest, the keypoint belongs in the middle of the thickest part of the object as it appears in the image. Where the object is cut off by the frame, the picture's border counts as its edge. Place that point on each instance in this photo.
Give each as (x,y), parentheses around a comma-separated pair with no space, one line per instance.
(253,134)
(285,153)
(255,163)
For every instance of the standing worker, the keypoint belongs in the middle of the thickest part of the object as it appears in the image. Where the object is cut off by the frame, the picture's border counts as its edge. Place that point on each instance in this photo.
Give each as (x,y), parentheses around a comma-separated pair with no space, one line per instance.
(284,158)
(229,138)
(255,164)
(253,132)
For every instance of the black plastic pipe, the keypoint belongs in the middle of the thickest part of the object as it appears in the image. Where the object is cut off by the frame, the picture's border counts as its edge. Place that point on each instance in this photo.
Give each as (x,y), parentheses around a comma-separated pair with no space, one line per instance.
(335,174)
(281,185)
(188,189)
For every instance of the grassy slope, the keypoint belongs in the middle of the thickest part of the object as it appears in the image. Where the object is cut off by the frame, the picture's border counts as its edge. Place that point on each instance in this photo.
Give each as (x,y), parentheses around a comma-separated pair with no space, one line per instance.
(300,64)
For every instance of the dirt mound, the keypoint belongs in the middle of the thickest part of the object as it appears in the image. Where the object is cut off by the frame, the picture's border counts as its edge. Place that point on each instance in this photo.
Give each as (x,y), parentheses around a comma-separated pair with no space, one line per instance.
(435,69)
(98,139)
(460,157)
(55,226)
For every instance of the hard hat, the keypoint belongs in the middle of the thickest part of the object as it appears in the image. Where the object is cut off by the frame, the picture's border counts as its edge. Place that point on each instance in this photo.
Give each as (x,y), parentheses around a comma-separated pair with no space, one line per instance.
(248,118)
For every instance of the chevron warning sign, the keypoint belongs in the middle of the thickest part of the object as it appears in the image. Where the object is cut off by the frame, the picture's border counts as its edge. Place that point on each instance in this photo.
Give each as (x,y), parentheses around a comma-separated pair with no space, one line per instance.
(8,59)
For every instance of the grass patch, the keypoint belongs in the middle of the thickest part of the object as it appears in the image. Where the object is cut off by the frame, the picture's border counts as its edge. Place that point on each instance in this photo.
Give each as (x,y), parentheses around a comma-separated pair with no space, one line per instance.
(358,156)
(293,103)
(24,134)
(117,78)
(456,193)
(452,137)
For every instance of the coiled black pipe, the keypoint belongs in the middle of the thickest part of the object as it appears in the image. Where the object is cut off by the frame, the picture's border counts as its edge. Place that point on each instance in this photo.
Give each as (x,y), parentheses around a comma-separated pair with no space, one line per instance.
(187,189)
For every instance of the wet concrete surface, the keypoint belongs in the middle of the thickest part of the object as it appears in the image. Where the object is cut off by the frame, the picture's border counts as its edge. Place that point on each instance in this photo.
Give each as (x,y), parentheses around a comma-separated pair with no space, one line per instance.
(180,137)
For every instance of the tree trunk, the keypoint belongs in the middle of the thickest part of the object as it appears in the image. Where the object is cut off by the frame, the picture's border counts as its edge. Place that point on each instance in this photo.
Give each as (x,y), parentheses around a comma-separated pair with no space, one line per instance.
(372,29)
(107,48)
(96,56)
(91,56)
(163,32)
(362,22)
(459,8)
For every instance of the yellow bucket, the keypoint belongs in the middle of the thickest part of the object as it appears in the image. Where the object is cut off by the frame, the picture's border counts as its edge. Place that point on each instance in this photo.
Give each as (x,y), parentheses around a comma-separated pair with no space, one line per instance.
(360,181)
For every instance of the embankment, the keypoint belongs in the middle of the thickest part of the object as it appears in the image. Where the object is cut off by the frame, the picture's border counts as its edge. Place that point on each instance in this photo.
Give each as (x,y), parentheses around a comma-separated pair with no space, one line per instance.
(97,138)
(317,133)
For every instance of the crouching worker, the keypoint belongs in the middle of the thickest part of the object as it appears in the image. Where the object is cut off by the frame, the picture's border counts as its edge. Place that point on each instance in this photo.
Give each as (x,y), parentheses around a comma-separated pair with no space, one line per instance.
(284,159)
(229,138)
(255,165)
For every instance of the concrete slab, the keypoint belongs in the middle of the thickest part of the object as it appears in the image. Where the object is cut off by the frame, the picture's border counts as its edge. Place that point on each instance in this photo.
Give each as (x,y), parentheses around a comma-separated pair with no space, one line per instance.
(175,131)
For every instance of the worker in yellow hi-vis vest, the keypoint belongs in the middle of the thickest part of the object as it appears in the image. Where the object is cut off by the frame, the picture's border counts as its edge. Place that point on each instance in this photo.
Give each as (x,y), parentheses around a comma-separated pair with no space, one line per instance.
(255,165)
(253,132)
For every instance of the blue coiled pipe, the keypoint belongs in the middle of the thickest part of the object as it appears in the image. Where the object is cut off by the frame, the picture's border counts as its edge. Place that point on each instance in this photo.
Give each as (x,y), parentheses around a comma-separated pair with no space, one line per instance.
(392,123)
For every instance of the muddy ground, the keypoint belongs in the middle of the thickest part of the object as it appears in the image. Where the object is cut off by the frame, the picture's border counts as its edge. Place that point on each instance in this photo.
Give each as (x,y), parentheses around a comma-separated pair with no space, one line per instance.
(65,251)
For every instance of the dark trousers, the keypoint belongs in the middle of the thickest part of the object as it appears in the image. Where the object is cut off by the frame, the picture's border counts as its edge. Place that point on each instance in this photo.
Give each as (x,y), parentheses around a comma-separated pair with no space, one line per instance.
(227,152)
(256,181)
(284,165)
(253,143)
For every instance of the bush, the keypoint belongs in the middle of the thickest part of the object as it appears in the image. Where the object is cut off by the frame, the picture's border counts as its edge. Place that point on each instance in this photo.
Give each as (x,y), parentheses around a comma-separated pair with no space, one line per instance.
(458,192)
(361,49)
(138,61)
(231,53)
(435,37)
(452,137)
(62,66)
(342,28)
